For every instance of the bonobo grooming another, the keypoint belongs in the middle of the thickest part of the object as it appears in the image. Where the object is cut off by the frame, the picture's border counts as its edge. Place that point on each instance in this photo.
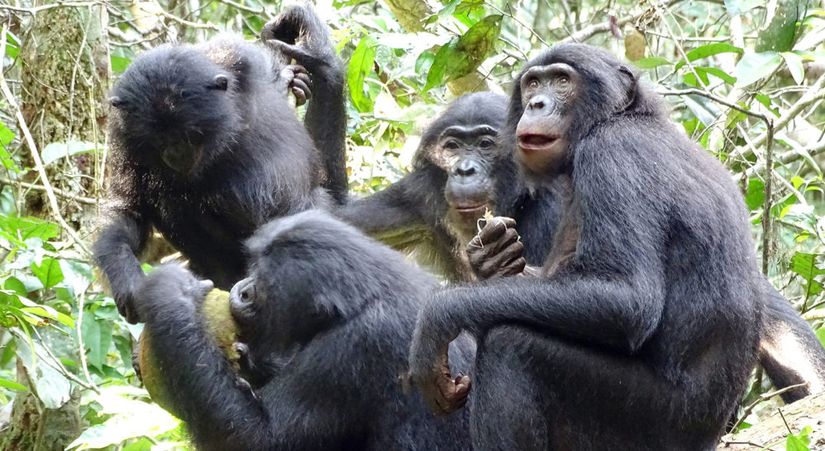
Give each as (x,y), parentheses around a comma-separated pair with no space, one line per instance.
(326,317)
(205,148)
(650,302)
(434,209)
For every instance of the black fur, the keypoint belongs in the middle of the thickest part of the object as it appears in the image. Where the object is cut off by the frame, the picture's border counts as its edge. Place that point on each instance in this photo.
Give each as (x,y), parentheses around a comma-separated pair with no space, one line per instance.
(216,111)
(328,314)
(644,339)
(413,213)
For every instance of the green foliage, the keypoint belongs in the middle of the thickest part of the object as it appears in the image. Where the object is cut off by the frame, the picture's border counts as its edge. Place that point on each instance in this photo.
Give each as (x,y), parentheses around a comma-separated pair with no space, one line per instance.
(751,53)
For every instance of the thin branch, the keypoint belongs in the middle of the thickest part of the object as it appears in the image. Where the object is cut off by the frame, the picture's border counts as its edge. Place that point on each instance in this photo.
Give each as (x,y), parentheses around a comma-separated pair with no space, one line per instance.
(34,10)
(762,398)
(57,191)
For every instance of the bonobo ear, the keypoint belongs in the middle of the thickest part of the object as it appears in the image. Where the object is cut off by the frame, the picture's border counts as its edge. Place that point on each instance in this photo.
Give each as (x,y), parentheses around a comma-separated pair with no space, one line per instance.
(629,83)
(116,101)
(220,82)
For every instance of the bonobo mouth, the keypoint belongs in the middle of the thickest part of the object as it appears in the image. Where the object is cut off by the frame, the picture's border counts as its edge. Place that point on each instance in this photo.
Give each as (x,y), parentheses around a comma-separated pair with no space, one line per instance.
(536,142)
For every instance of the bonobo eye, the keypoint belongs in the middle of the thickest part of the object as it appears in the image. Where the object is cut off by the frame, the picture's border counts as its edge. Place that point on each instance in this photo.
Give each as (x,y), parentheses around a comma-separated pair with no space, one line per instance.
(486,143)
(533,83)
(220,82)
(451,145)
(116,101)
(563,79)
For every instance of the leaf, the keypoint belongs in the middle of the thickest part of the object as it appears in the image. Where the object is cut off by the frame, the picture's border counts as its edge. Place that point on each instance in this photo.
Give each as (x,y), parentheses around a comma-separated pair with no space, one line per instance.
(699,110)
(755,196)
(120,64)
(463,55)
(361,64)
(781,33)
(718,73)
(20,229)
(794,63)
(708,50)
(755,66)
(48,272)
(56,151)
(652,62)
(12,385)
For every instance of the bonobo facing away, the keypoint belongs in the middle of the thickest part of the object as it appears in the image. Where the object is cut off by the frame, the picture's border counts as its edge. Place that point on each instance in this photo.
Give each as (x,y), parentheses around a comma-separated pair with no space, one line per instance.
(644,326)
(326,315)
(205,148)
(435,208)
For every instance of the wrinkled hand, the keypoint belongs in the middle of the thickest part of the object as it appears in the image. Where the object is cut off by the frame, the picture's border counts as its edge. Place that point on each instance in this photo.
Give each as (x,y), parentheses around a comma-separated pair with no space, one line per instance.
(295,79)
(497,250)
(430,371)
(170,283)
(299,34)
(125,302)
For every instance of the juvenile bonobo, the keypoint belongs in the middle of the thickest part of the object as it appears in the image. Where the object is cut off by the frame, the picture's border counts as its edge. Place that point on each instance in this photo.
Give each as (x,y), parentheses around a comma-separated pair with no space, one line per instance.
(644,326)
(435,208)
(205,148)
(326,318)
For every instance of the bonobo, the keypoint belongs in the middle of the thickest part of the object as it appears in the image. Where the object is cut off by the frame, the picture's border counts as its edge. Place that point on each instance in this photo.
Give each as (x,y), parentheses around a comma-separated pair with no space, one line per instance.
(434,209)
(644,326)
(205,148)
(326,318)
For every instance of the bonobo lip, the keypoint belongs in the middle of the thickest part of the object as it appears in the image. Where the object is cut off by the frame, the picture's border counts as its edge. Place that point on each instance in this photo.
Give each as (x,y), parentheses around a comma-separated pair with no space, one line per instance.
(536,142)
(465,209)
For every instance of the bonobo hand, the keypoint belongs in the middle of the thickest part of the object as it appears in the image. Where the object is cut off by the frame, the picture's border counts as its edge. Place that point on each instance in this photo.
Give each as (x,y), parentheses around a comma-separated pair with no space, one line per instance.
(430,364)
(169,286)
(299,34)
(125,301)
(497,250)
(294,78)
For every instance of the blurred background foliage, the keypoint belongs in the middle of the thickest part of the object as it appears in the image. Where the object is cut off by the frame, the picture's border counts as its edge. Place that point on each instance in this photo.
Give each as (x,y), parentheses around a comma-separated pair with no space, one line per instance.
(744,78)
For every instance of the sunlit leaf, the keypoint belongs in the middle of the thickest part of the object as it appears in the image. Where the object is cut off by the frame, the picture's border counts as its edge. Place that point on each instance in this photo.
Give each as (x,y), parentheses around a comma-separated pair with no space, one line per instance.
(709,50)
(48,272)
(56,151)
(794,63)
(652,62)
(361,64)
(755,66)
(463,55)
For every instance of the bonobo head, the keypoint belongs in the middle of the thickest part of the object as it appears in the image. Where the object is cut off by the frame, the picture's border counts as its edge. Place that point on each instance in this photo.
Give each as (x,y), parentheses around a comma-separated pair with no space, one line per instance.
(308,273)
(558,98)
(463,144)
(174,108)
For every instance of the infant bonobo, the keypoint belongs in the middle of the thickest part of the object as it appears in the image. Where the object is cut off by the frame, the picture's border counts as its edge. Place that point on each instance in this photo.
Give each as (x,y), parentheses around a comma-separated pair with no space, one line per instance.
(326,317)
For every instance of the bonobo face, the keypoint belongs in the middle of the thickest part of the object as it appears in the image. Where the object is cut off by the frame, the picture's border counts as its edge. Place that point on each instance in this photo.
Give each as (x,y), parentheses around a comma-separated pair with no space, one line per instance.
(467,152)
(547,94)
(173,109)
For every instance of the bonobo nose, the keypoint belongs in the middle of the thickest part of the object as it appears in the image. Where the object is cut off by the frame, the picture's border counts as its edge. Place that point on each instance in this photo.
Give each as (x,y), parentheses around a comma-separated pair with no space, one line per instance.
(465,168)
(538,103)
(243,291)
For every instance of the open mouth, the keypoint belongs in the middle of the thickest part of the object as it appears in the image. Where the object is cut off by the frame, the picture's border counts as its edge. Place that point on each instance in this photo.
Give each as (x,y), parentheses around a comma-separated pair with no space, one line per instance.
(536,142)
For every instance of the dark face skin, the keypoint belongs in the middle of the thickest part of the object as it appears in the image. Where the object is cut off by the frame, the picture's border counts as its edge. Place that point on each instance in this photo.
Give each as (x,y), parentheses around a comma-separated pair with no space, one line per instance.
(465,153)
(547,94)
(172,122)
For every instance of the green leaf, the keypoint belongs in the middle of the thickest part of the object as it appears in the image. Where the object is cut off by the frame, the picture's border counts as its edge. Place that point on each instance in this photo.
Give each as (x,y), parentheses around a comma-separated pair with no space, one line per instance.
(794,63)
(718,73)
(820,334)
(799,442)
(48,272)
(120,64)
(56,151)
(781,33)
(755,196)
(755,66)
(19,229)
(708,50)
(463,55)
(361,64)
(652,62)
(12,385)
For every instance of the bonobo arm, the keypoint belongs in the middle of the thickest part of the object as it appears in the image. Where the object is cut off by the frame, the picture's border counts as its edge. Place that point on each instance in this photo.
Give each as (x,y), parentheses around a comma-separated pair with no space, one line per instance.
(393,215)
(789,351)
(298,33)
(115,252)
(220,413)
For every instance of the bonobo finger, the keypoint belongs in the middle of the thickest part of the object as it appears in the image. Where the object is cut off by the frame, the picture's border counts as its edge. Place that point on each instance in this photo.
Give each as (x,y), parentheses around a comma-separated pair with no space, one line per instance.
(513,268)
(294,52)
(492,230)
(496,263)
(300,85)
